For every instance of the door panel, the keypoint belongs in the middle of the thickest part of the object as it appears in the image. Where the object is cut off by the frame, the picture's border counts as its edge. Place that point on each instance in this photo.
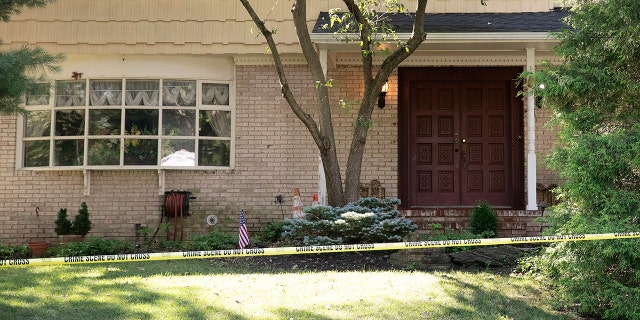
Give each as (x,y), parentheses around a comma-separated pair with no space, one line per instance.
(433,134)
(486,163)
(458,144)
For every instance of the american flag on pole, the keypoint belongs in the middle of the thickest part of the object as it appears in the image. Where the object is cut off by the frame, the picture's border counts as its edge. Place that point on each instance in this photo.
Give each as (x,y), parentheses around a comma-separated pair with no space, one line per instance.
(242,233)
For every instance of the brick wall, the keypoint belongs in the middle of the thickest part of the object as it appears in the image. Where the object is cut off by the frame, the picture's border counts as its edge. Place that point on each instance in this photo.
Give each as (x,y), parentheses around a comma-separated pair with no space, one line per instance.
(273,155)
(511,223)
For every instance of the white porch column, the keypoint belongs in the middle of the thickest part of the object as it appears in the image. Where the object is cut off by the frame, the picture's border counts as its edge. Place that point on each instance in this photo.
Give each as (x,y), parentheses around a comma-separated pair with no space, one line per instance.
(532,174)
(322,182)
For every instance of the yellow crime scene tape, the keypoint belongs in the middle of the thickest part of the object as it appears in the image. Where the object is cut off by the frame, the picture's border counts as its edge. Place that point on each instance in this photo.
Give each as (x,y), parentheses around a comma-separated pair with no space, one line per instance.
(207,254)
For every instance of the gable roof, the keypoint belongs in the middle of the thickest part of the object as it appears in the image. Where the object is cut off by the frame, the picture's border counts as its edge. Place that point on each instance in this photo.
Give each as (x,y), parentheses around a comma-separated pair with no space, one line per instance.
(470,22)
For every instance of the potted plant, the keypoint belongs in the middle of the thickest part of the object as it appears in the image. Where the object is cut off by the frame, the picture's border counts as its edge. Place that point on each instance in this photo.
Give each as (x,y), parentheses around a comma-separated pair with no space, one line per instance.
(73,231)
(81,224)
(38,247)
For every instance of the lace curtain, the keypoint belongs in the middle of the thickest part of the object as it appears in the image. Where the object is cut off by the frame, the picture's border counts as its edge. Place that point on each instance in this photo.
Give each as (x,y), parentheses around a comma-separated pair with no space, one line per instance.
(70,93)
(38,95)
(179,93)
(105,92)
(220,123)
(38,124)
(213,93)
(142,93)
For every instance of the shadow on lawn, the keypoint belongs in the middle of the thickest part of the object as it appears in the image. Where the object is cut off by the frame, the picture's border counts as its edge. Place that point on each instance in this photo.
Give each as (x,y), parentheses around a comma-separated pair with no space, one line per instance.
(70,295)
(81,293)
(472,300)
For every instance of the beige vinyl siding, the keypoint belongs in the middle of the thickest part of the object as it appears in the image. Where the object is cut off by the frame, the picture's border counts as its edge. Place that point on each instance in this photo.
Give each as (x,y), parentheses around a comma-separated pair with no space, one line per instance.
(194,26)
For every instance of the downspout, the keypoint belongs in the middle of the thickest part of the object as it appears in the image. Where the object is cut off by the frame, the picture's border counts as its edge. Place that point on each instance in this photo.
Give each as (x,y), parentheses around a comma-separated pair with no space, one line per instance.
(532,175)
(322,182)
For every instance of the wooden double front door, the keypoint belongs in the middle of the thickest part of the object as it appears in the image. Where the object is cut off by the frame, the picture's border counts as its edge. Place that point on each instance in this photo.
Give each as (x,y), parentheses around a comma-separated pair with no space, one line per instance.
(460,137)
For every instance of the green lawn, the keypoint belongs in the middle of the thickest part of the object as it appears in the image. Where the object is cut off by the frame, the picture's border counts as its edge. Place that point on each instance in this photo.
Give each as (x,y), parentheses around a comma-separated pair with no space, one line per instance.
(215,289)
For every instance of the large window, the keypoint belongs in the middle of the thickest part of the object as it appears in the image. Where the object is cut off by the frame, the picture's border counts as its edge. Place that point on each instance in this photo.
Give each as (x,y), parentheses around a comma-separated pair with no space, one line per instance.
(110,123)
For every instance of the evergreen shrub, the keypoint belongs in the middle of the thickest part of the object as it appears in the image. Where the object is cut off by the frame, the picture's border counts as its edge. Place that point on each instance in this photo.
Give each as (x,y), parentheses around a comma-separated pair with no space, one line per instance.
(81,223)
(215,240)
(94,246)
(368,220)
(483,220)
(63,224)
(272,231)
(14,252)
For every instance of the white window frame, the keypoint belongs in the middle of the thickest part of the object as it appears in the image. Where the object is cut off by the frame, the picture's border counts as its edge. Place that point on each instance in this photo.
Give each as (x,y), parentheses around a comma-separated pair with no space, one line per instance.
(231,107)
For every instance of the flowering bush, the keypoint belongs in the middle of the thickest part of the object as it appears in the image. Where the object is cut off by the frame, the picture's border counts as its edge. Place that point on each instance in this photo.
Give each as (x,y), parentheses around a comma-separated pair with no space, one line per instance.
(368,220)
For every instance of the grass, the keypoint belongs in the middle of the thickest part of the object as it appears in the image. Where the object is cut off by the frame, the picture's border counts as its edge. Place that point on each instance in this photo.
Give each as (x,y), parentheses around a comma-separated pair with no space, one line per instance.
(216,289)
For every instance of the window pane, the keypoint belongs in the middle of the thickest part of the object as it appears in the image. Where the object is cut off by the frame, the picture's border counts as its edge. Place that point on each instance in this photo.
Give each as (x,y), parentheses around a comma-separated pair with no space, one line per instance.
(70,93)
(214,152)
(139,152)
(36,153)
(215,123)
(38,124)
(178,93)
(38,95)
(176,152)
(142,93)
(215,94)
(68,152)
(141,122)
(179,122)
(105,92)
(70,123)
(104,151)
(104,122)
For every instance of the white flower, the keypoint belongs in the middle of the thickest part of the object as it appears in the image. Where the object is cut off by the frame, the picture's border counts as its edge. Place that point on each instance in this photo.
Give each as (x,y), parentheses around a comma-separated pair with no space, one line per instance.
(356,216)
(340,221)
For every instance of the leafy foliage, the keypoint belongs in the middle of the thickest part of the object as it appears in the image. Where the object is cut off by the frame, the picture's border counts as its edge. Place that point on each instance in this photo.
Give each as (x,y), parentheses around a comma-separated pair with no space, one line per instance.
(483,220)
(215,240)
(368,220)
(14,252)
(13,7)
(595,92)
(436,232)
(63,224)
(93,246)
(23,69)
(378,26)
(82,223)
(272,231)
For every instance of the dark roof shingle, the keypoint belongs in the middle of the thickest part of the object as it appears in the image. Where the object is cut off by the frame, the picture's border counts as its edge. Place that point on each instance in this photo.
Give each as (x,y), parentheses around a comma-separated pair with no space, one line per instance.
(471,22)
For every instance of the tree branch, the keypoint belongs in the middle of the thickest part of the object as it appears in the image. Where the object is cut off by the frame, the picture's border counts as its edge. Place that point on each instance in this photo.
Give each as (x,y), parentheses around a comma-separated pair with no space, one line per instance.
(306,119)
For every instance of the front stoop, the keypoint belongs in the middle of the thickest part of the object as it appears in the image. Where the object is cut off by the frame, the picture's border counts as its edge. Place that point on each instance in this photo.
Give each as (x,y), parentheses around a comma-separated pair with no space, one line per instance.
(511,223)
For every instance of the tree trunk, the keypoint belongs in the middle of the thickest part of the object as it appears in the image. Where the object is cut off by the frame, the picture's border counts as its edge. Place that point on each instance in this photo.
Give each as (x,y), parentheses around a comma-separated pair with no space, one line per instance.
(322,132)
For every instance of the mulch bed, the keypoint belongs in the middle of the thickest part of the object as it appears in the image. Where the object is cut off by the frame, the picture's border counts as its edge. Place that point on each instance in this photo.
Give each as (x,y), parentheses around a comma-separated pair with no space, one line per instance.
(341,261)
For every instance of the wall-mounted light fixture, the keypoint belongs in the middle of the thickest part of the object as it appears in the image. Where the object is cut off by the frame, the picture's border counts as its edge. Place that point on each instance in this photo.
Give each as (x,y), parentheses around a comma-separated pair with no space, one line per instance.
(383,94)
(538,100)
(542,205)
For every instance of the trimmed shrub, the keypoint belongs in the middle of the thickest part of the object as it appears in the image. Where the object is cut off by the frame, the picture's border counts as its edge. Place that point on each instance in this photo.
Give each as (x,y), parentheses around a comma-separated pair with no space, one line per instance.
(81,223)
(94,246)
(63,224)
(14,252)
(368,220)
(272,231)
(483,220)
(215,240)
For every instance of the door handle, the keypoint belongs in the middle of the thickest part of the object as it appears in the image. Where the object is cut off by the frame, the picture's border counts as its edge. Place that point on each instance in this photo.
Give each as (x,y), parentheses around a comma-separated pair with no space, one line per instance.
(464,153)
(456,142)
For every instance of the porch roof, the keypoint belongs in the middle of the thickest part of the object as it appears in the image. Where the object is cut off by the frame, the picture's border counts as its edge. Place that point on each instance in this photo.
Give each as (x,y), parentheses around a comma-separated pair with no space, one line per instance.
(463,32)
(470,22)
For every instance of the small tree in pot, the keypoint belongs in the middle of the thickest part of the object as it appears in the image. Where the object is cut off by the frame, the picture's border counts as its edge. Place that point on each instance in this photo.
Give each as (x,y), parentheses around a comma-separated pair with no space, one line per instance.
(63,224)
(81,223)
(73,232)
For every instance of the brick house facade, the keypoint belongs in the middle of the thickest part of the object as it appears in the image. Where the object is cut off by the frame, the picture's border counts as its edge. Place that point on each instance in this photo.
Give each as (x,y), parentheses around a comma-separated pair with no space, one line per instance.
(271,152)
